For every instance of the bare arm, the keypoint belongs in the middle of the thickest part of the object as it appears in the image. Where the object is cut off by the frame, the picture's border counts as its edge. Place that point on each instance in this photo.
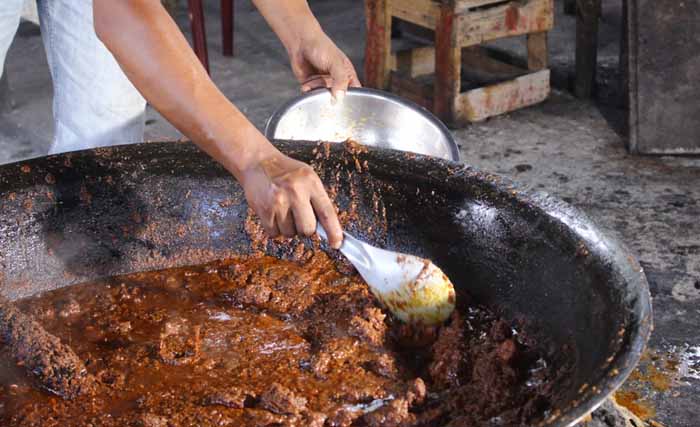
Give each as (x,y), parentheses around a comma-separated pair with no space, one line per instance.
(291,20)
(158,60)
(316,61)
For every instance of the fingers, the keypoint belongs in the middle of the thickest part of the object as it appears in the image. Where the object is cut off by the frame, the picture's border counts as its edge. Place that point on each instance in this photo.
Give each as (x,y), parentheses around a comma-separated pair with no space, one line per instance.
(299,219)
(316,81)
(285,222)
(304,218)
(325,212)
(341,75)
(355,82)
(289,198)
(292,210)
(269,224)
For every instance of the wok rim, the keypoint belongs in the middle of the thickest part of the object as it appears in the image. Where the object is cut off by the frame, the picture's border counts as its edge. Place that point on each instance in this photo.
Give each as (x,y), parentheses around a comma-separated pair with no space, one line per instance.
(641,326)
(625,359)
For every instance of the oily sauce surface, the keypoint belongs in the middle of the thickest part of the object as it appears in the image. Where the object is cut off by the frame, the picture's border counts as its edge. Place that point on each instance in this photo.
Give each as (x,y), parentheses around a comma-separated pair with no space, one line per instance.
(260,341)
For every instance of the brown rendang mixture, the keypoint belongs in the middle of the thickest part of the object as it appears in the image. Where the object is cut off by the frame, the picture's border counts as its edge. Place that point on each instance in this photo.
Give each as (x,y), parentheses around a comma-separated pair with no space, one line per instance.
(259,341)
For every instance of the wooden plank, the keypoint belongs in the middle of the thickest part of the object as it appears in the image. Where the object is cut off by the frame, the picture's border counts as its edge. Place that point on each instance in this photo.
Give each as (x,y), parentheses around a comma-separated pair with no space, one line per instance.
(378,43)
(506,20)
(421,61)
(587,14)
(480,104)
(537,51)
(420,93)
(462,6)
(477,57)
(420,12)
(448,57)
(414,62)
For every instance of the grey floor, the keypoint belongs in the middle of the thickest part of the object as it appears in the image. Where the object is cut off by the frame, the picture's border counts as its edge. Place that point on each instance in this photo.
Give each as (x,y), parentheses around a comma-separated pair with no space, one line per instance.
(570,148)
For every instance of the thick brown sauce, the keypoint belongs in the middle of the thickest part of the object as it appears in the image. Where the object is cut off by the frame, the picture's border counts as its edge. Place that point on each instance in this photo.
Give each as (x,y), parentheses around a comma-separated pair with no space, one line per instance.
(263,342)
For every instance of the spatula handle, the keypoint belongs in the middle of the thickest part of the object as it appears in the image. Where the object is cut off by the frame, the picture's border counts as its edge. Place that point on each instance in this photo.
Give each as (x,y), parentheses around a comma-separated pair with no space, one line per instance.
(353,249)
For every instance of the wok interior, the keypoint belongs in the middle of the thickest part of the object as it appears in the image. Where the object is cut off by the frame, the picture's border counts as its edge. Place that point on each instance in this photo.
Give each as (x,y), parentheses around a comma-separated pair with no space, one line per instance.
(76,217)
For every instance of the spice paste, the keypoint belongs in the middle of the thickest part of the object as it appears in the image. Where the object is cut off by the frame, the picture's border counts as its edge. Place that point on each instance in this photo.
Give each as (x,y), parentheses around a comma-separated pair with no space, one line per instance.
(258,341)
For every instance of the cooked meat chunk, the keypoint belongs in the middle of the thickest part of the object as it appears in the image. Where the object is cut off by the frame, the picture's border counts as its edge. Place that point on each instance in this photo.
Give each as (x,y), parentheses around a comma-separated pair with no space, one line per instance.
(369,326)
(180,342)
(391,414)
(232,398)
(56,367)
(447,353)
(281,400)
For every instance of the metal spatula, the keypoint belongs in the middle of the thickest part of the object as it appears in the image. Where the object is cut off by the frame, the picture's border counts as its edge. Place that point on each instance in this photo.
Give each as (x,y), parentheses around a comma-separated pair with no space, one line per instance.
(412,288)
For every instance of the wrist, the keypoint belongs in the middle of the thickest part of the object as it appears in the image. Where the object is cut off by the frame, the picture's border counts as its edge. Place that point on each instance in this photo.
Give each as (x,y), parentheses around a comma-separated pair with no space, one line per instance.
(242,157)
(303,32)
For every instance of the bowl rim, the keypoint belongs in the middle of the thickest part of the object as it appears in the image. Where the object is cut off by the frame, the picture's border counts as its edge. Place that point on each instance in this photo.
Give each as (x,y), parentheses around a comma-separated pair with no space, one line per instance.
(277,115)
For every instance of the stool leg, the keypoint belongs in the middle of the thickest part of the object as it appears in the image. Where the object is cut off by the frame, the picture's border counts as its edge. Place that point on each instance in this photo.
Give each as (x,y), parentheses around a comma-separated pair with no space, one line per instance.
(378,45)
(199,36)
(448,69)
(227,27)
(570,7)
(537,51)
(587,15)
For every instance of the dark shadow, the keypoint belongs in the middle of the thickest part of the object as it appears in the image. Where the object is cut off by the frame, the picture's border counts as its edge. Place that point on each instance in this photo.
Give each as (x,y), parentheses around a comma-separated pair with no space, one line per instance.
(94,217)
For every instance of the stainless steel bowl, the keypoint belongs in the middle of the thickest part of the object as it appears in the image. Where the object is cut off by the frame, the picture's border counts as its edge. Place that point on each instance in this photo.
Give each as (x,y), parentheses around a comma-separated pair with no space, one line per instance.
(368,116)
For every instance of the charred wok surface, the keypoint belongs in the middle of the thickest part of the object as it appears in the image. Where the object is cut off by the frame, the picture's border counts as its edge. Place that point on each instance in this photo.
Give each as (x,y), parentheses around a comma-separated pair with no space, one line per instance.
(258,341)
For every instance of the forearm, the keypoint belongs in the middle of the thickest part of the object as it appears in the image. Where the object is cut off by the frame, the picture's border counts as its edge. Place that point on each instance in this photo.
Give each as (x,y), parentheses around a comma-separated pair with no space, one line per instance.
(289,19)
(158,60)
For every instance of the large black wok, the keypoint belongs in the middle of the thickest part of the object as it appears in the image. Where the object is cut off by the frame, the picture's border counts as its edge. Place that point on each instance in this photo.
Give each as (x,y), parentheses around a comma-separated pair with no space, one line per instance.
(75,217)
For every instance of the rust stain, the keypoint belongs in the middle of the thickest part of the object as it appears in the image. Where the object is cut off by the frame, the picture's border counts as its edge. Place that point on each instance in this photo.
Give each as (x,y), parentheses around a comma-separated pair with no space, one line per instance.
(658,378)
(512,17)
(542,21)
(632,401)
(672,364)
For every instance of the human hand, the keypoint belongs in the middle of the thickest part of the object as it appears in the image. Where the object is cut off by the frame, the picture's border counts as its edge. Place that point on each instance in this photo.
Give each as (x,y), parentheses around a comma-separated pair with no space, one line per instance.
(285,193)
(317,62)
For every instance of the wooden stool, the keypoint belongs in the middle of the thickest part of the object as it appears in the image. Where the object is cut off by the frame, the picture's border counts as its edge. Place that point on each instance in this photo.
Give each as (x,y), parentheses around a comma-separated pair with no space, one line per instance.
(199,34)
(460,26)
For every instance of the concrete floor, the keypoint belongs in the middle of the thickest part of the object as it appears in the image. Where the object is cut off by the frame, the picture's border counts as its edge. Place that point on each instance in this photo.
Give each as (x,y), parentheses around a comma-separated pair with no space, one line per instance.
(570,148)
